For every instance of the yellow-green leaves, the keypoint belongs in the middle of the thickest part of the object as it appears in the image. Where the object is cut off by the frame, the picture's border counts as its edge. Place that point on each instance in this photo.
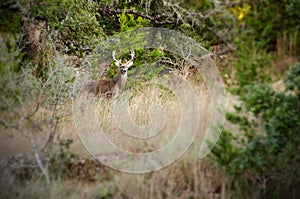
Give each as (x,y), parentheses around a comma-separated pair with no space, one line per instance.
(240,12)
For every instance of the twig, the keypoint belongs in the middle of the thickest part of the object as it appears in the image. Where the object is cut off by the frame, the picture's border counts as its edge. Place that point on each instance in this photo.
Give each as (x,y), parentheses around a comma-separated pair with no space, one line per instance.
(158,20)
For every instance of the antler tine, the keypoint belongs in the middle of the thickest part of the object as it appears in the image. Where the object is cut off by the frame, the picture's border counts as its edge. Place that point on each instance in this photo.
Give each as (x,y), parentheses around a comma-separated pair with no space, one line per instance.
(132,55)
(114,55)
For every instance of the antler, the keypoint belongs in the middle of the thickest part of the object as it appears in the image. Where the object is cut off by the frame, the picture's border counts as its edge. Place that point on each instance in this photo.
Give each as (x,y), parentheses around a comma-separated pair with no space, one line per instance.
(119,61)
(132,55)
(114,56)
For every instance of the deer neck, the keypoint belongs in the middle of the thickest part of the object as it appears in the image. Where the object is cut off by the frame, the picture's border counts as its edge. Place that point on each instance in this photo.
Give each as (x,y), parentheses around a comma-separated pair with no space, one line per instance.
(121,79)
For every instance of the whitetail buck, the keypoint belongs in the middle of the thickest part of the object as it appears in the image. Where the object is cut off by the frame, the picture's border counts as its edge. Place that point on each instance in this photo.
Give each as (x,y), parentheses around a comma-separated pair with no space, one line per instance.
(111,87)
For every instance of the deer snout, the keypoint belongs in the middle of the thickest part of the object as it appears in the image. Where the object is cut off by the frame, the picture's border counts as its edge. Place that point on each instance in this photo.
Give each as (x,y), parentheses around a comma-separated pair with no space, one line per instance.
(123,70)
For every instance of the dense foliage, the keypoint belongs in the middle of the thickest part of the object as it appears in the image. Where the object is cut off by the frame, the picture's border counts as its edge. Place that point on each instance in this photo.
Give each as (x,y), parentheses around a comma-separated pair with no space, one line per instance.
(263,155)
(266,163)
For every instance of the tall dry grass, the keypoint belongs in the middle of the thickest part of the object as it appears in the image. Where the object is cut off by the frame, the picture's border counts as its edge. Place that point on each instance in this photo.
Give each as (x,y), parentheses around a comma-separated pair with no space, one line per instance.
(188,177)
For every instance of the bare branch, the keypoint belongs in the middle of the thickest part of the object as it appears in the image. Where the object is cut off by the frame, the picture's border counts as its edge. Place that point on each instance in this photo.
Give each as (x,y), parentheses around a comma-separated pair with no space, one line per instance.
(158,20)
(9,107)
(173,14)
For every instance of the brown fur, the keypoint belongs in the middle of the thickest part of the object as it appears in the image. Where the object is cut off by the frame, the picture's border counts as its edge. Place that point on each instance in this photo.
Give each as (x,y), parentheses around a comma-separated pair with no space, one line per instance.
(91,86)
(105,86)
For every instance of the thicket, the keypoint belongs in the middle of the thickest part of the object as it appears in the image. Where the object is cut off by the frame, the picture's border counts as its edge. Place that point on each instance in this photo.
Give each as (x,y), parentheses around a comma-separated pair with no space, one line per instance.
(262,157)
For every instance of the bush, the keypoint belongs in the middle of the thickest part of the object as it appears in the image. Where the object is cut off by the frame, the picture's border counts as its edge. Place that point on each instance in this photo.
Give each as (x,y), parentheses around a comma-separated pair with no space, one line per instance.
(74,23)
(268,162)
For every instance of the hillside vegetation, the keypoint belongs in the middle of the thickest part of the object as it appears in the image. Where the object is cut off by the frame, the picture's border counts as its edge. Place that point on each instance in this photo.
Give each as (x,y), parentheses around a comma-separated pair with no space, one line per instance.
(45,45)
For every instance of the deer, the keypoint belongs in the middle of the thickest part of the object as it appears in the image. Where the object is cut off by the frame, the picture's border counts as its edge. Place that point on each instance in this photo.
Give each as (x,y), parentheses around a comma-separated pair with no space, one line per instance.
(111,88)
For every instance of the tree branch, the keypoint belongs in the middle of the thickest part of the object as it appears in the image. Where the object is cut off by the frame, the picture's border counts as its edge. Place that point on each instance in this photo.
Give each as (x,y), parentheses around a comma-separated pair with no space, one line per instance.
(161,19)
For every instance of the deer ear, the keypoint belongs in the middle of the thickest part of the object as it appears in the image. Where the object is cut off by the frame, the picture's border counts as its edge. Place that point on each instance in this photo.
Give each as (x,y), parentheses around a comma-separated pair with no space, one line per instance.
(129,64)
(117,63)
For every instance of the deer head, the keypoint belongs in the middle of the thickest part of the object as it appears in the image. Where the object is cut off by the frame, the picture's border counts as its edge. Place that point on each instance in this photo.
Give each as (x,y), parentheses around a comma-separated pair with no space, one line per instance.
(123,67)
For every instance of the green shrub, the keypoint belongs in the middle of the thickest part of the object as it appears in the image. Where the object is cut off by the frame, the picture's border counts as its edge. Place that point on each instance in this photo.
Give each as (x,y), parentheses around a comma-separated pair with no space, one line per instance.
(268,162)
(75,22)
